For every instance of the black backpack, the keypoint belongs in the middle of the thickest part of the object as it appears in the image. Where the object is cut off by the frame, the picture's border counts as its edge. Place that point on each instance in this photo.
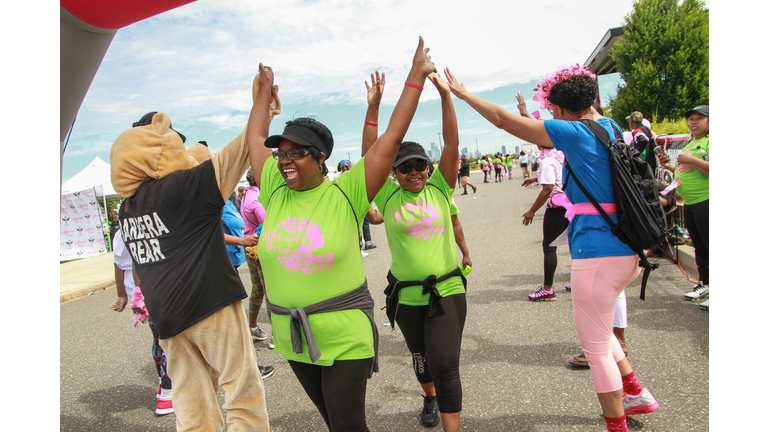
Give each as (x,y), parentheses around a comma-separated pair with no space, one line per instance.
(642,222)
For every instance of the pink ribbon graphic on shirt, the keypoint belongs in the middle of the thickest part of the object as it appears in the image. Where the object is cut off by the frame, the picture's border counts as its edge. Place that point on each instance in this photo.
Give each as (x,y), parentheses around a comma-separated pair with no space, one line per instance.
(419,220)
(295,240)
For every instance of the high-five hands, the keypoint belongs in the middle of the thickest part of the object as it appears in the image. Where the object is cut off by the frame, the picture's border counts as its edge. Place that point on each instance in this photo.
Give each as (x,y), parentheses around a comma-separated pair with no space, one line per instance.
(456,87)
(440,83)
(421,59)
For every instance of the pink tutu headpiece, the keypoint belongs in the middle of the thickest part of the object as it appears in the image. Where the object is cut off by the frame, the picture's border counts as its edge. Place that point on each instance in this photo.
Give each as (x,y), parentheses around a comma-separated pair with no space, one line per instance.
(560,75)
(553,153)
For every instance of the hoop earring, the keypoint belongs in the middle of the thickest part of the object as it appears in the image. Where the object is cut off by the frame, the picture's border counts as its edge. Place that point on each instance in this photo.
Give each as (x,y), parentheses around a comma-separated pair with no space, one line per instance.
(319,168)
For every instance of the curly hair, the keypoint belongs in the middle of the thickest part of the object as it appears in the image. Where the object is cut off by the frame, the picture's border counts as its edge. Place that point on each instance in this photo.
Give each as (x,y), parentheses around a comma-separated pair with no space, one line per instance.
(574,94)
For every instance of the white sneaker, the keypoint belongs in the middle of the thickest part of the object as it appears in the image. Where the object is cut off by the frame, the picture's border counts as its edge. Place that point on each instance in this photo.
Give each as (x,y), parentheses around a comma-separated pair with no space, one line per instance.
(363,253)
(704,305)
(699,292)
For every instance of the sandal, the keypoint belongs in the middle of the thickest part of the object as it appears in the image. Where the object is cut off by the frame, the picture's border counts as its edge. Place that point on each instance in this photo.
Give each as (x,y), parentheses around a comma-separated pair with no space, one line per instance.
(579,361)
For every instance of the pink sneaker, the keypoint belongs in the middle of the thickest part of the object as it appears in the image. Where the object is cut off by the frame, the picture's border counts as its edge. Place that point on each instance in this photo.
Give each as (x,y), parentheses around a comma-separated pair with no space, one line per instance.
(542,295)
(643,403)
(164,407)
(164,402)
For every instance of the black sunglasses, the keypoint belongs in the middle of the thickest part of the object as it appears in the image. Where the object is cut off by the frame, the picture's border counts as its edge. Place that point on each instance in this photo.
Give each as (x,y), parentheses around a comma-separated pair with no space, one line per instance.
(406,167)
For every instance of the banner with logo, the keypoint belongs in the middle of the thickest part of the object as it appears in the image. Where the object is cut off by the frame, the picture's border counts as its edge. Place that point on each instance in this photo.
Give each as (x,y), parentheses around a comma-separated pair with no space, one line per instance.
(82,231)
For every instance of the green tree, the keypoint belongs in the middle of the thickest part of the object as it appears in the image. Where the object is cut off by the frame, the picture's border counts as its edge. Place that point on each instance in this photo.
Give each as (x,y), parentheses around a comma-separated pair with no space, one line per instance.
(663,59)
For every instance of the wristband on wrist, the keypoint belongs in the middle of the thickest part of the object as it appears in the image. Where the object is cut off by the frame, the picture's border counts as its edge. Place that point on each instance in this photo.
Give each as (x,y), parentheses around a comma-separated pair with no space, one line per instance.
(371,123)
(414,85)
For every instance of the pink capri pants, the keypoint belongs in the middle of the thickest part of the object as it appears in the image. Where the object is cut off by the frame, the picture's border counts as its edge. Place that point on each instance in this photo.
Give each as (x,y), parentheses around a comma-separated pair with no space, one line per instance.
(596,283)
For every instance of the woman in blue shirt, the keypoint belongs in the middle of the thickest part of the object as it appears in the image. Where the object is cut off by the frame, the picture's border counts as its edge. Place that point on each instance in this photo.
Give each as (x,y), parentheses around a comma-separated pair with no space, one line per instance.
(602,264)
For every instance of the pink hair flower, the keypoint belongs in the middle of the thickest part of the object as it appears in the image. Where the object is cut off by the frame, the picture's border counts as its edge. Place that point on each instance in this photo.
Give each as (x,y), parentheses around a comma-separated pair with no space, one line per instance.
(553,78)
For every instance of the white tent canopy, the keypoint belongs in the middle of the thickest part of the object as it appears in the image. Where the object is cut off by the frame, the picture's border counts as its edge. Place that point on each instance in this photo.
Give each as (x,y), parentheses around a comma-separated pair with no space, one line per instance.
(95,175)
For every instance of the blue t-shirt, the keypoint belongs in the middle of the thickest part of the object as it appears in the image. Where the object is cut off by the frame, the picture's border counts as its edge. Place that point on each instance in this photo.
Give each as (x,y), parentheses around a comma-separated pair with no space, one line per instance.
(589,236)
(233,225)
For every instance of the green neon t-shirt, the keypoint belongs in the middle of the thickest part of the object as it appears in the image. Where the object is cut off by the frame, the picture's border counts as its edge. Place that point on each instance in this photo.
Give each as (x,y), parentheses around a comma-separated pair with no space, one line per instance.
(694,185)
(309,252)
(420,236)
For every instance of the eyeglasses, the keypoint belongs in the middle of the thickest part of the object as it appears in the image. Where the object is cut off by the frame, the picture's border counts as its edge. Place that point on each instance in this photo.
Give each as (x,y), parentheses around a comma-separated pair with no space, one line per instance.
(406,167)
(292,154)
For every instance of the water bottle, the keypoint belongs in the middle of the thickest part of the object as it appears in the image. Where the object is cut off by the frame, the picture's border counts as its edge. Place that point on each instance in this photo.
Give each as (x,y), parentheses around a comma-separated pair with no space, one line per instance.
(701,153)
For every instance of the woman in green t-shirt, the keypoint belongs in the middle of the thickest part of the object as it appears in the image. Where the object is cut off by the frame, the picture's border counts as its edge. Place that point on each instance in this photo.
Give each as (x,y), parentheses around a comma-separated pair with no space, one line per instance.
(508,163)
(420,233)
(485,168)
(692,170)
(309,250)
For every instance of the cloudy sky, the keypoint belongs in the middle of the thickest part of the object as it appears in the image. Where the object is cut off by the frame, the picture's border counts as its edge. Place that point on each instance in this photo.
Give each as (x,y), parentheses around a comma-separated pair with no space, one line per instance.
(196,63)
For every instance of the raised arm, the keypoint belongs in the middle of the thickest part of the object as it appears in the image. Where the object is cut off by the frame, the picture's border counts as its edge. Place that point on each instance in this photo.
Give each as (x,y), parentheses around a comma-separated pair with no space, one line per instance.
(381,155)
(371,125)
(527,129)
(258,122)
(450,155)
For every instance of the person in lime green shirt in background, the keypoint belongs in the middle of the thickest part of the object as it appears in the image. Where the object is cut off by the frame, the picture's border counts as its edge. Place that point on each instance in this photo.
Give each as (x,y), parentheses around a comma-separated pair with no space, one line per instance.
(692,170)
(485,168)
(508,163)
(497,167)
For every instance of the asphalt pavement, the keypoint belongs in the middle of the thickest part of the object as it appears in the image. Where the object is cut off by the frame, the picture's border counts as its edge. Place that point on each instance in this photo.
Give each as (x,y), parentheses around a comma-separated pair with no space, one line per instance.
(514,364)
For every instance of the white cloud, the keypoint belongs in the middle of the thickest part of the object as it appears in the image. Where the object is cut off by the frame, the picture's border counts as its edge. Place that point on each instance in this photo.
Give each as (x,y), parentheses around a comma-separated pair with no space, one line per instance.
(198,61)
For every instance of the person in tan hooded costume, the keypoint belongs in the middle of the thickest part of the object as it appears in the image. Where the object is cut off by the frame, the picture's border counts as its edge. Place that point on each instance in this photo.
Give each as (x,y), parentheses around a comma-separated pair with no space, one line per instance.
(170,220)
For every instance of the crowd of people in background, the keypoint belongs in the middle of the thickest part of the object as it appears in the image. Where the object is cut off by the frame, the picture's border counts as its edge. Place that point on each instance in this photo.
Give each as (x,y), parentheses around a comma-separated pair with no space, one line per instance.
(303,236)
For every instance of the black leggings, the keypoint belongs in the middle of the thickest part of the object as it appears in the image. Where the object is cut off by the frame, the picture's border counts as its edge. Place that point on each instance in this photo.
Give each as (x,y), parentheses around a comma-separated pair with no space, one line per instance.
(555,223)
(697,222)
(338,391)
(435,344)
